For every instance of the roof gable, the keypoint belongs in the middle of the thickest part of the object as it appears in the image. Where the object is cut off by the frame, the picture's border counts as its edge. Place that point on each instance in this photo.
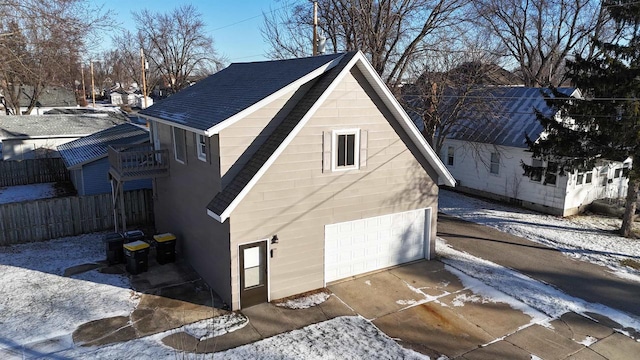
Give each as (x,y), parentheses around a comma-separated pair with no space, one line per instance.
(225,202)
(234,91)
(95,146)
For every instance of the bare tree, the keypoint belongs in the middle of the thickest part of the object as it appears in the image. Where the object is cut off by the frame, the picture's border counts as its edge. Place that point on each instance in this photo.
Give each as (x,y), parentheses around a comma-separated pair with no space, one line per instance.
(176,45)
(539,35)
(391,33)
(41,43)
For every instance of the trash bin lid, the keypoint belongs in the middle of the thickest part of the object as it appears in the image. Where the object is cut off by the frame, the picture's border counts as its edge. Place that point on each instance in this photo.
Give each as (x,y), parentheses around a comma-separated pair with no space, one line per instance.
(133,233)
(136,245)
(112,237)
(164,237)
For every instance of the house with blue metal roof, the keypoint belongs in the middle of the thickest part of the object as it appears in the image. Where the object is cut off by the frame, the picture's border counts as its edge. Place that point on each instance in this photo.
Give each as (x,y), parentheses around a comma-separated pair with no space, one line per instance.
(87,158)
(485,149)
(283,176)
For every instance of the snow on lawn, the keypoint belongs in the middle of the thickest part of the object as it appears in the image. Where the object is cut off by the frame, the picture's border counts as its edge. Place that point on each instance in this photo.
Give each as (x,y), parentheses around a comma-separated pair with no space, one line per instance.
(19,193)
(494,281)
(216,326)
(586,237)
(39,303)
(340,338)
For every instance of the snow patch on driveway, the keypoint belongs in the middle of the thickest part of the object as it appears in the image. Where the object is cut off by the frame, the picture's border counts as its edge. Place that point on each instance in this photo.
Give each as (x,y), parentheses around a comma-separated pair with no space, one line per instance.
(543,302)
(586,237)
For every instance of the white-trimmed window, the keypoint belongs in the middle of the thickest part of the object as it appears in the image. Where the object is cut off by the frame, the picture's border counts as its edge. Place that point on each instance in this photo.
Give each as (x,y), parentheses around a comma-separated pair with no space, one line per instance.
(551,173)
(179,145)
(589,177)
(451,153)
(579,179)
(201,144)
(536,171)
(494,167)
(345,149)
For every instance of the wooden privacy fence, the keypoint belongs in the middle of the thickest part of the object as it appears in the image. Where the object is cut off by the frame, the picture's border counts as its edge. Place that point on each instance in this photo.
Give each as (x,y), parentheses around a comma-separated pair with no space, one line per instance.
(32,171)
(45,219)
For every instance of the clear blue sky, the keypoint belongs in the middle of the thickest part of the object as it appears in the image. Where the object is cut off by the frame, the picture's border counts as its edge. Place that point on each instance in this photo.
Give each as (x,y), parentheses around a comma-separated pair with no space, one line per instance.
(234,25)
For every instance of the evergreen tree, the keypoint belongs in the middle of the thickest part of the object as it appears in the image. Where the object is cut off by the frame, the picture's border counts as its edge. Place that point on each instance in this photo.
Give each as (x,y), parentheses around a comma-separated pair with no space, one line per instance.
(605,123)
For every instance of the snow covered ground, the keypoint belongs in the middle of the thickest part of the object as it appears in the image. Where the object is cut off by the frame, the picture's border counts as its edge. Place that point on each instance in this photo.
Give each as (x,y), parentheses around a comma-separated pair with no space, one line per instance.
(38,303)
(340,338)
(540,301)
(19,193)
(586,237)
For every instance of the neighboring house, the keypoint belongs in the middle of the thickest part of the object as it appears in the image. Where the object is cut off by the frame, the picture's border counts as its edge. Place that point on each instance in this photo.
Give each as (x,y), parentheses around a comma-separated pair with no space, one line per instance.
(51,97)
(88,163)
(486,148)
(28,137)
(287,175)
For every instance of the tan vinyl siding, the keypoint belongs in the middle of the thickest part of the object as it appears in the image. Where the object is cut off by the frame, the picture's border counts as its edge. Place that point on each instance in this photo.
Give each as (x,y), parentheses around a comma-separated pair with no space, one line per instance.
(295,199)
(250,133)
(180,208)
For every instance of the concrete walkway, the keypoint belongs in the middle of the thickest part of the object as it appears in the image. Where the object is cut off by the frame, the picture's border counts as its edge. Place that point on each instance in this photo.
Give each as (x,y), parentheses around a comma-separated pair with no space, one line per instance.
(577,278)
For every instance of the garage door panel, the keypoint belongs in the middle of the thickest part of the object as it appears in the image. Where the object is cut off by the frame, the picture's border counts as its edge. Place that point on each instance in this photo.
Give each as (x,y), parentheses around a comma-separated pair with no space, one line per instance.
(360,246)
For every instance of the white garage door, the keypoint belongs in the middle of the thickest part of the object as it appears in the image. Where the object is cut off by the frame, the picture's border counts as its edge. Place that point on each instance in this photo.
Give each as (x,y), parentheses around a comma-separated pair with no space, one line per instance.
(360,246)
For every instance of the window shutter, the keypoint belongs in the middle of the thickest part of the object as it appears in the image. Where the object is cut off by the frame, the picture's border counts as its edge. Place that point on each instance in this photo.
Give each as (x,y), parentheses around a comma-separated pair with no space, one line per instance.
(364,138)
(326,151)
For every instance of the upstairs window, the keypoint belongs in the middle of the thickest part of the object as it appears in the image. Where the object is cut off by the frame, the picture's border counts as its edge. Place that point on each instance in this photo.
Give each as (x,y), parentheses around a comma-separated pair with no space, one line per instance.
(580,179)
(494,167)
(179,145)
(589,178)
(346,146)
(450,155)
(201,143)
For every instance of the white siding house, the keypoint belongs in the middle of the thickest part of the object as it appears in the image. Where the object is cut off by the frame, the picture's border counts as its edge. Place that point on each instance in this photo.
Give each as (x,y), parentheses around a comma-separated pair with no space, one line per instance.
(487,160)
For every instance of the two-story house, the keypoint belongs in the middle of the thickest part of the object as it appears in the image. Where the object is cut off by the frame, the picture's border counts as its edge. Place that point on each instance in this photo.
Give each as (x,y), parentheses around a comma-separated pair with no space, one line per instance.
(287,175)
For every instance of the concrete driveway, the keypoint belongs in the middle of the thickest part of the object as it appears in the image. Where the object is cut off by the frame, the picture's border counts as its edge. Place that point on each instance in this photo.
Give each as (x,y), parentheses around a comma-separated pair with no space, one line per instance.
(426,308)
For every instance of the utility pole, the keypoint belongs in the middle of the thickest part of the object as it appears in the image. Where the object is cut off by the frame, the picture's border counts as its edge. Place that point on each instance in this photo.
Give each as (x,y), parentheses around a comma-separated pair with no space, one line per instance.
(144,77)
(93,91)
(84,88)
(315,28)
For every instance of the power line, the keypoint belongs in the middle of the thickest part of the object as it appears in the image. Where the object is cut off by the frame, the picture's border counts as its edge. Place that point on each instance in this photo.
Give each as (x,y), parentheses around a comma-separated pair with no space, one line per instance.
(247,19)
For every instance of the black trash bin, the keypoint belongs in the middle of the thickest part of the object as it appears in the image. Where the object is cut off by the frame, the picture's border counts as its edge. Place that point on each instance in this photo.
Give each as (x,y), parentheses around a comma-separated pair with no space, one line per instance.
(137,254)
(165,248)
(113,244)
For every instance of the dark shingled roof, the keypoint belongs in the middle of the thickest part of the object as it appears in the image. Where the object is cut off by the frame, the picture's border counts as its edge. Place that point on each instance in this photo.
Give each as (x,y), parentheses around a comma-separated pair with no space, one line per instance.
(95,146)
(232,90)
(224,198)
(504,116)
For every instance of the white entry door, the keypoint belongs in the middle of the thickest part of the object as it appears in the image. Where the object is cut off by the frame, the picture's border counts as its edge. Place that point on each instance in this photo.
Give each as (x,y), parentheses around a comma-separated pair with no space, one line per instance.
(360,246)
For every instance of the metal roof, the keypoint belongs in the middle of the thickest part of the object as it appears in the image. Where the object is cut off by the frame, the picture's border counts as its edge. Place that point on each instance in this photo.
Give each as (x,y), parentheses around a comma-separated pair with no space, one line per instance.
(44,126)
(95,146)
(501,115)
(232,90)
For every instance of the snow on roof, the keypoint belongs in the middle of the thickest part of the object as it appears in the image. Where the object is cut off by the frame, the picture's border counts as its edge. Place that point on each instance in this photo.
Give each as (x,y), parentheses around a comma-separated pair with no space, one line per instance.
(44,126)
(94,146)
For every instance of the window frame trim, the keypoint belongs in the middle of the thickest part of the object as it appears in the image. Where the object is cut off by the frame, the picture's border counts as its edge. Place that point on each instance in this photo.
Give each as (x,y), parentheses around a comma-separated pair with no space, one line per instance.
(175,144)
(202,155)
(334,149)
(491,163)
